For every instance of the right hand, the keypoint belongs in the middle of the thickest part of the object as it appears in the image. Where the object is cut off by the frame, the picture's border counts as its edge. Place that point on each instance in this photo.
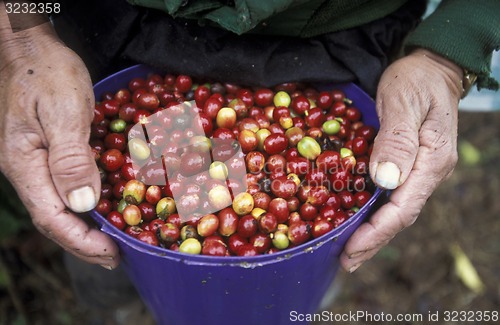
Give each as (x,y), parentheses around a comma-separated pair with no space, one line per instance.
(45,114)
(415,149)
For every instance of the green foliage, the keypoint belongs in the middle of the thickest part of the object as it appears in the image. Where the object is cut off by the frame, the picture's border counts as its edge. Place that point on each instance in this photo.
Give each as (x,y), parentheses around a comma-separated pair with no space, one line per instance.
(13,215)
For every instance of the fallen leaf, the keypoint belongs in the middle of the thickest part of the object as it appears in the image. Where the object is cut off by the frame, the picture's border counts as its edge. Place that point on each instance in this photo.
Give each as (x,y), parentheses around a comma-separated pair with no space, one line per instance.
(468,153)
(465,271)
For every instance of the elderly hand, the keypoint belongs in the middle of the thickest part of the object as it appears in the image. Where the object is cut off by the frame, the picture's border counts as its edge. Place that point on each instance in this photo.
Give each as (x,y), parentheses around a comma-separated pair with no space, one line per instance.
(415,150)
(45,115)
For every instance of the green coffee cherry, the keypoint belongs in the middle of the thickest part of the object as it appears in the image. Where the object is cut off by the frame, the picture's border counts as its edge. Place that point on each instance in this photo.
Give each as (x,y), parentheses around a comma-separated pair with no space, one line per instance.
(309,148)
(190,246)
(282,99)
(331,127)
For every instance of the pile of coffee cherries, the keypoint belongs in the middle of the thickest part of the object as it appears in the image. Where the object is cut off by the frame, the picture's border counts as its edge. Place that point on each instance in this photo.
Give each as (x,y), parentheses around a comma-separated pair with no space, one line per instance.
(223,170)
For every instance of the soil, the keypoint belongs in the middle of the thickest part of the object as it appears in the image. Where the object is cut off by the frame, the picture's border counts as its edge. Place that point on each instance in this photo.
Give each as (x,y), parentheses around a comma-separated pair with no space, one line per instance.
(414,275)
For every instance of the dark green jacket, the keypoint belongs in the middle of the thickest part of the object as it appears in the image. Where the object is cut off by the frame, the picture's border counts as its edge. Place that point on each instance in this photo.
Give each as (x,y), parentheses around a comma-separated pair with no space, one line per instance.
(467,32)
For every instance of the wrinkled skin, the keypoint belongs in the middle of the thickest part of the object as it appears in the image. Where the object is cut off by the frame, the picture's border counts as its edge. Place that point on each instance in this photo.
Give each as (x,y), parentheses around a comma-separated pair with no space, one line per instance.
(45,115)
(417,103)
(45,118)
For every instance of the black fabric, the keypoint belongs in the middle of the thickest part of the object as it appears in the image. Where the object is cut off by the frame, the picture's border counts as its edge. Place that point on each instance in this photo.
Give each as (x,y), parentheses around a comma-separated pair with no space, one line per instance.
(111,34)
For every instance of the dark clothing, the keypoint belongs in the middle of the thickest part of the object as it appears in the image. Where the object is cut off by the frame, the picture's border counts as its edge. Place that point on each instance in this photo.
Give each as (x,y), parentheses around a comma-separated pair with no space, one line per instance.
(141,35)
(465,32)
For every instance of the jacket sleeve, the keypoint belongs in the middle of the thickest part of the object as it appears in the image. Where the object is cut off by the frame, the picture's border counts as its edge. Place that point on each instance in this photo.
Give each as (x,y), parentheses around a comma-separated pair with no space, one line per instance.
(466,32)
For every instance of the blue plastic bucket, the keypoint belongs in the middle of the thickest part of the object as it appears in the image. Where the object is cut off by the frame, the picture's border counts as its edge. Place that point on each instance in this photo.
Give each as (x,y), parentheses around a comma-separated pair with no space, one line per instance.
(183,289)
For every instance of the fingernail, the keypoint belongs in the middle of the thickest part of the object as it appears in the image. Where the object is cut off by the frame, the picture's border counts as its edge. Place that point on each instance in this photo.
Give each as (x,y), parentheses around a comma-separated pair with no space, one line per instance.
(107,267)
(82,199)
(354,268)
(387,175)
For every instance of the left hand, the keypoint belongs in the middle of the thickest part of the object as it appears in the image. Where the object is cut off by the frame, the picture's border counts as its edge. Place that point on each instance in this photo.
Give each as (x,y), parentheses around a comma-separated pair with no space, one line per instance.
(415,149)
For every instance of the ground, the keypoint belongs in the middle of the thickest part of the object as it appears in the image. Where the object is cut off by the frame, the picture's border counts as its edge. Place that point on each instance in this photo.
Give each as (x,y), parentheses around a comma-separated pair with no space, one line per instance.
(415,274)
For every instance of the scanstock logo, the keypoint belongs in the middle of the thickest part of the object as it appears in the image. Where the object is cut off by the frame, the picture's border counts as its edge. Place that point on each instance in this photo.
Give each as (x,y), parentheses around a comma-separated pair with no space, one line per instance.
(202,174)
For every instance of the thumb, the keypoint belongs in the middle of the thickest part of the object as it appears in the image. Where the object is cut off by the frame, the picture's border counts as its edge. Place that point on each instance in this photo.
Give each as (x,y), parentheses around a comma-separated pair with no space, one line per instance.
(71,163)
(396,145)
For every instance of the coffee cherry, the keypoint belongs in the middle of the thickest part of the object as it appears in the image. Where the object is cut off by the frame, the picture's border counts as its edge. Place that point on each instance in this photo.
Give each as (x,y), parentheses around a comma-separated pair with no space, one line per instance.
(309,148)
(318,195)
(315,117)
(361,198)
(268,223)
(339,218)
(338,95)
(255,162)
(169,233)
(294,135)
(281,98)
(293,204)
(263,97)
(347,200)
(110,107)
(331,127)
(321,227)
(211,107)
(112,160)
(247,250)
(275,143)
(148,237)
(138,149)
(228,222)
(299,232)
(247,226)
(134,192)
(324,100)
(284,187)
(116,219)
(148,101)
(208,225)
(201,94)
(328,161)
(190,246)
(300,104)
(239,107)
(243,203)
(103,207)
(191,163)
(188,231)
(359,146)
(246,96)
(280,240)
(219,197)
(353,114)
(132,215)
(226,118)
(298,165)
(235,242)
(183,83)
(248,140)
(147,211)
(213,248)
(153,194)
(261,242)
(165,207)
(188,204)
(308,211)
(218,170)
